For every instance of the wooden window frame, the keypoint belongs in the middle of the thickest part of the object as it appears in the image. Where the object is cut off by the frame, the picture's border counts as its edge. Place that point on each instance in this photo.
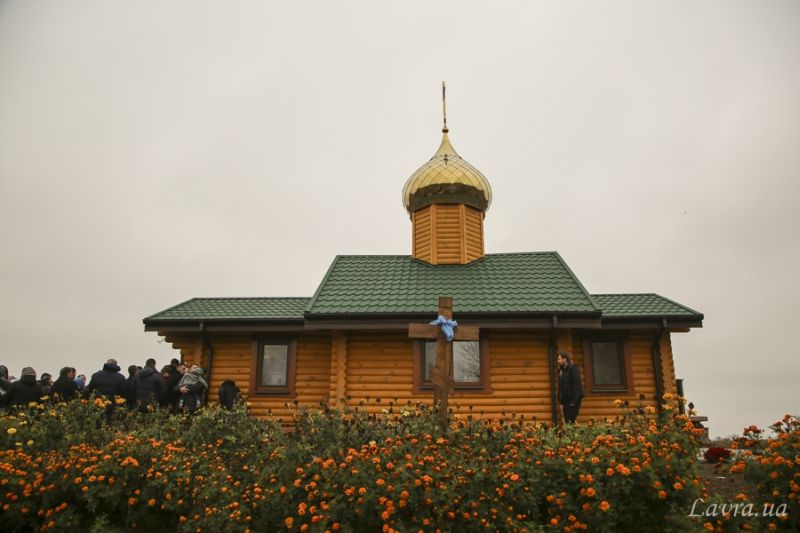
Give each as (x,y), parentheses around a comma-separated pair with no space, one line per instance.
(588,363)
(287,390)
(484,386)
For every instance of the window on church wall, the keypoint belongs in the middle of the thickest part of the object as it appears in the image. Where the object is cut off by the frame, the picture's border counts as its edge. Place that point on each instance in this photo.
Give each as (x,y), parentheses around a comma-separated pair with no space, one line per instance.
(607,365)
(466,361)
(274,371)
(274,361)
(470,368)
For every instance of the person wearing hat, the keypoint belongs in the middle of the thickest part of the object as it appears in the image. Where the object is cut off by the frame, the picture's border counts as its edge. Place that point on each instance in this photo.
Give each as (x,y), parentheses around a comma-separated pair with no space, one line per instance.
(570,387)
(25,390)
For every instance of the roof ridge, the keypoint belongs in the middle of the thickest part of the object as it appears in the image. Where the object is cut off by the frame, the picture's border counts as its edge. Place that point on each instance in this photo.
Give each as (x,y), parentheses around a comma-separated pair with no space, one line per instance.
(324,280)
(627,294)
(538,252)
(249,298)
(578,281)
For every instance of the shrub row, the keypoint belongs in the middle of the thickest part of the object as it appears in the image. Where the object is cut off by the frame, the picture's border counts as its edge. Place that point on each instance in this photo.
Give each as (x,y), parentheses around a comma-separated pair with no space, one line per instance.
(65,467)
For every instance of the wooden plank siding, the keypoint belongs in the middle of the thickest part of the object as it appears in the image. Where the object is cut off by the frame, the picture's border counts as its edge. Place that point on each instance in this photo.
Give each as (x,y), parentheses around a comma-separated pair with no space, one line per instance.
(446,234)
(473,233)
(422,229)
(364,366)
(601,405)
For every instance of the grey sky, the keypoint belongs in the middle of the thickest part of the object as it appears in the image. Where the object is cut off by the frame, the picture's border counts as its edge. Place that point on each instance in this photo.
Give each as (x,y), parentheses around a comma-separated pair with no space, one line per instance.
(155,151)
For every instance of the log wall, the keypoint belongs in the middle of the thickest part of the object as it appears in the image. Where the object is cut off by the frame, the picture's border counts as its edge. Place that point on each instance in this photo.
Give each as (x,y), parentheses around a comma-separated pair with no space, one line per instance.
(362,367)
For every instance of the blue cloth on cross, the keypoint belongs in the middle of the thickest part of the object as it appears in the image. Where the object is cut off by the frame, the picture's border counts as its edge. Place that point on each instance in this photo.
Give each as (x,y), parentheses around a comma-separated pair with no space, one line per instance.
(447,326)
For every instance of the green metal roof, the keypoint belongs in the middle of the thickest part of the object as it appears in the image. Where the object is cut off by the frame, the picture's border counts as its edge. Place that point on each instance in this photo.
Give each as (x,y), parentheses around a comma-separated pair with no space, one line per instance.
(234,309)
(641,305)
(538,282)
(375,285)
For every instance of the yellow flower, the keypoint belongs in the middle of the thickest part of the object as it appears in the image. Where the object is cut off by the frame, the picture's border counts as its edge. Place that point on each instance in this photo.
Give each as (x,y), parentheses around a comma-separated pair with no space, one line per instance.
(11,431)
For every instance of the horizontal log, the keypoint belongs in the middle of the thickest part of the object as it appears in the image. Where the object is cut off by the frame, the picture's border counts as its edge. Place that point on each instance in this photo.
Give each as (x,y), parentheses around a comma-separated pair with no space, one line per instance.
(429,331)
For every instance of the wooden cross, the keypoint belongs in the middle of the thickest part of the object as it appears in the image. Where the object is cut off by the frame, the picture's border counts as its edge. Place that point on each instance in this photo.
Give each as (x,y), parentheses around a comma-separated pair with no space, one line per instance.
(442,373)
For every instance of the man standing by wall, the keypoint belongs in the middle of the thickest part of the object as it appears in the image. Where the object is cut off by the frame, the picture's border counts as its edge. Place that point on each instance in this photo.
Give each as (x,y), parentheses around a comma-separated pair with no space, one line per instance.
(570,387)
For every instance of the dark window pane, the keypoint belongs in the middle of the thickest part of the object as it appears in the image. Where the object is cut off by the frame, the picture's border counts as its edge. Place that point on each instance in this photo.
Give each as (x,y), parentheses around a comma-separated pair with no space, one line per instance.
(607,364)
(466,362)
(274,359)
(430,360)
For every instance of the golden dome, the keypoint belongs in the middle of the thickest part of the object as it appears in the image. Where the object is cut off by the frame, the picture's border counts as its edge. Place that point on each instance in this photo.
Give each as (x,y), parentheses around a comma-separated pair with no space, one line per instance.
(447,179)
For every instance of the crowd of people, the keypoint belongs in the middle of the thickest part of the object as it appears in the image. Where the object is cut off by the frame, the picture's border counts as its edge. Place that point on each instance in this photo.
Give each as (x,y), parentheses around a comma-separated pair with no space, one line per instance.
(178,386)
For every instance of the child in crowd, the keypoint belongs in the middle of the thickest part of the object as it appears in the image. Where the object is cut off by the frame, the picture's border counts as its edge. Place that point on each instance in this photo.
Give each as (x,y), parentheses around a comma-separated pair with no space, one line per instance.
(191,387)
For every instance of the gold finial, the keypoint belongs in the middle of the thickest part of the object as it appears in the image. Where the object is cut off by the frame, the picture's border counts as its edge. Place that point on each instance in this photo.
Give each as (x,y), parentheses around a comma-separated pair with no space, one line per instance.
(444,110)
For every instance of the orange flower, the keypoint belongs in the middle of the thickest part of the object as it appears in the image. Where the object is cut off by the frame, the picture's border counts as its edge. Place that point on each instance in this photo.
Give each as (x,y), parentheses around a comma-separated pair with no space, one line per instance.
(605,506)
(590,492)
(677,486)
(708,526)
(289,522)
(662,495)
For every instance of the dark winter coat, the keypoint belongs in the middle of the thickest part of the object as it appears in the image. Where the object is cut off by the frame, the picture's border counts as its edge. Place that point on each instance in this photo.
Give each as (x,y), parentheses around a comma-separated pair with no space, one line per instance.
(107,382)
(228,394)
(570,388)
(173,395)
(64,389)
(149,386)
(24,391)
(129,392)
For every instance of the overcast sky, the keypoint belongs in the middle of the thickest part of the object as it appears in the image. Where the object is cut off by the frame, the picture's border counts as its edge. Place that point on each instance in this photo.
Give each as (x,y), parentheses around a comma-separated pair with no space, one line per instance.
(151,152)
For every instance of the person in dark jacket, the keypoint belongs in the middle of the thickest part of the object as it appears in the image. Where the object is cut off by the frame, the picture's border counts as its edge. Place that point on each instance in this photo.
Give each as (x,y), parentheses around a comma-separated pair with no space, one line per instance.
(150,386)
(25,390)
(173,394)
(570,388)
(46,382)
(4,383)
(107,382)
(229,394)
(129,390)
(65,389)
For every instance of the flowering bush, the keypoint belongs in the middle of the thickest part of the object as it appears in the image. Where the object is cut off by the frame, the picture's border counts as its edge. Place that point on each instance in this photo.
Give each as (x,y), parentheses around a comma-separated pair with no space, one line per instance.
(716,454)
(771,468)
(341,470)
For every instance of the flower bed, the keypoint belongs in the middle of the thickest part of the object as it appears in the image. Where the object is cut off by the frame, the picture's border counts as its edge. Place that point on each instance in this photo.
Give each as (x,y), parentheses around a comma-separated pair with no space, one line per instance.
(65,468)
(770,467)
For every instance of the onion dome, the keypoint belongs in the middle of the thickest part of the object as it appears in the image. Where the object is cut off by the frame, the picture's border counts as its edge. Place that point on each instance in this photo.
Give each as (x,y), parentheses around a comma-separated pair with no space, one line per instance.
(447,179)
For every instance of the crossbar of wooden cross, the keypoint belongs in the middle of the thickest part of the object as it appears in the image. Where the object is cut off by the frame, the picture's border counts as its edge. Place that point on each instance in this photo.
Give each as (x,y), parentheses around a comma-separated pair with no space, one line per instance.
(441,374)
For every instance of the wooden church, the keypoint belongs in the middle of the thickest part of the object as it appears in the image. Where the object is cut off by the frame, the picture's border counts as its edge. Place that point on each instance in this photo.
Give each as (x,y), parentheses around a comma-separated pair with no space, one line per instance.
(350,341)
